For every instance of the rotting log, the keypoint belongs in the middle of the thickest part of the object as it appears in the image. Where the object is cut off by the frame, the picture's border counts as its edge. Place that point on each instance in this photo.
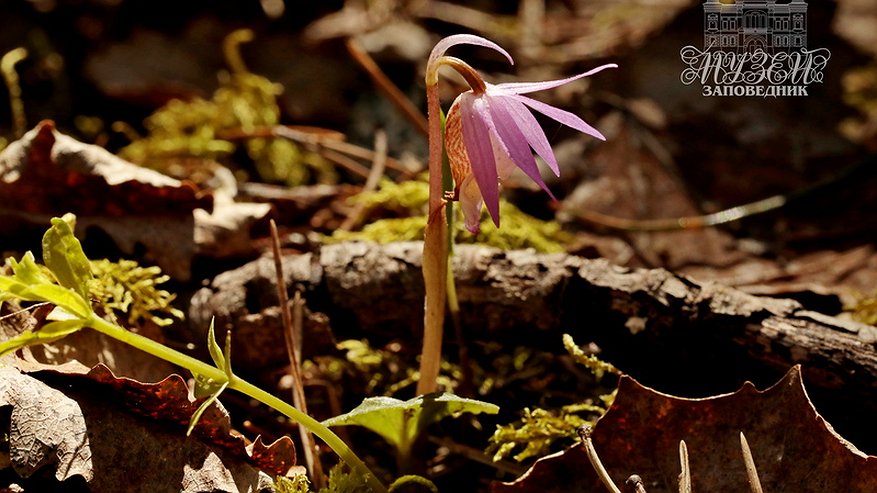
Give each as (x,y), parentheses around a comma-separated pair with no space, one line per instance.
(673,333)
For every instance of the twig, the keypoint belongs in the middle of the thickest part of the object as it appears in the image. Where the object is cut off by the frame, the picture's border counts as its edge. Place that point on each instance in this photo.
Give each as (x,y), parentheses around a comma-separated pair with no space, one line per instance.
(318,142)
(751,472)
(862,170)
(23,310)
(470,18)
(585,435)
(479,456)
(292,335)
(687,222)
(685,475)
(371,183)
(386,86)
(637,483)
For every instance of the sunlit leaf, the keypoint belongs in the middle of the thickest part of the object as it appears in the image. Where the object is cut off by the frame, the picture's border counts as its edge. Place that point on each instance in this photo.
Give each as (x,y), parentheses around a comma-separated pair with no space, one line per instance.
(399,422)
(50,332)
(213,348)
(63,255)
(203,407)
(30,283)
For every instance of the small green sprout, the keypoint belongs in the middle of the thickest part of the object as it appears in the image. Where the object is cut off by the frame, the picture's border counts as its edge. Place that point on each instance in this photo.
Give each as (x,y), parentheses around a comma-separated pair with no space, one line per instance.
(400,422)
(68,275)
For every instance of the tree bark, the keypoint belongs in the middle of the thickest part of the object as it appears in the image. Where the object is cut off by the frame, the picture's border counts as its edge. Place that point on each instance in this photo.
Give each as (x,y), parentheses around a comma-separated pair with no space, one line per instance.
(673,333)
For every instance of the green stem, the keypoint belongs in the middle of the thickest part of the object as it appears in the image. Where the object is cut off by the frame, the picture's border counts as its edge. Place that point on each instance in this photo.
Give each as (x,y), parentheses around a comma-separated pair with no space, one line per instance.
(156,349)
(332,440)
(199,367)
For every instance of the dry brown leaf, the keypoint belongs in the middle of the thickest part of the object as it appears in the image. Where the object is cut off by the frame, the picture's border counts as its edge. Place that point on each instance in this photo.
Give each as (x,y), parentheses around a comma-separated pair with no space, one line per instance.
(169,400)
(633,183)
(123,435)
(794,448)
(46,173)
(46,428)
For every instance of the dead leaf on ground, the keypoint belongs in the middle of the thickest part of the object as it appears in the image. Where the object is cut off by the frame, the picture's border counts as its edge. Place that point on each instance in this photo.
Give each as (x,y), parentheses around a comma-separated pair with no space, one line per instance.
(627,179)
(169,401)
(794,448)
(81,432)
(46,173)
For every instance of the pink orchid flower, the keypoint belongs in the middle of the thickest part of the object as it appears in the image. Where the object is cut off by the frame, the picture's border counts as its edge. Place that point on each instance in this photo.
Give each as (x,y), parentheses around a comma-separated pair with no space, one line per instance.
(488,133)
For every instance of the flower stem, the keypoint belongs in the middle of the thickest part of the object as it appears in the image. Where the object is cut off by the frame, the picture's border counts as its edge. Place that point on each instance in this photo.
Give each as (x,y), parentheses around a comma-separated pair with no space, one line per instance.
(205,370)
(435,254)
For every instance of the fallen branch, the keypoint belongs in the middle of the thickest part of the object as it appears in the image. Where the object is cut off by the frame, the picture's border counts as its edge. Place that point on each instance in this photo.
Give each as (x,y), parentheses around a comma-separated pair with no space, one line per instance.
(671,332)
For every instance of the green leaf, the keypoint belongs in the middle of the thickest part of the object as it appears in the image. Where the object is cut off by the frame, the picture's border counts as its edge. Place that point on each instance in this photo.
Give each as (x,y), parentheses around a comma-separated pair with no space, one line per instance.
(30,283)
(203,407)
(205,386)
(50,332)
(399,422)
(63,255)
(214,349)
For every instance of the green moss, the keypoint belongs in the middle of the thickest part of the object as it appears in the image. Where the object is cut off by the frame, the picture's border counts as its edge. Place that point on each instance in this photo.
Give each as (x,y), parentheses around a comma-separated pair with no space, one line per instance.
(127,289)
(597,366)
(864,309)
(377,371)
(518,230)
(296,484)
(407,198)
(340,480)
(186,134)
(541,431)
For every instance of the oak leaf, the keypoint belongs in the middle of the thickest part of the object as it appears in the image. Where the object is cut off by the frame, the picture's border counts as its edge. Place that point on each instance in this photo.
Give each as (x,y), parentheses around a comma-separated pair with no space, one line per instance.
(794,448)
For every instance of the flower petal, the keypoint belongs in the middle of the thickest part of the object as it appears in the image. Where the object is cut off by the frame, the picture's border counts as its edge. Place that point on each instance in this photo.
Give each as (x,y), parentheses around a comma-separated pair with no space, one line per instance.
(470,204)
(476,136)
(532,131)
(470,39)
(454,145)
(527,87)
(513,140)
(564,117)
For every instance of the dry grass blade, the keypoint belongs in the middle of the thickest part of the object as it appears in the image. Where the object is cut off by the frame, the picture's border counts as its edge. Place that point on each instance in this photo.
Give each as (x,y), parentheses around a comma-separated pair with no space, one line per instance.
(10,76)
(386,86)
(685,475)
(371,183)
(585,435)
(751,472)
(291,336)
(637,483)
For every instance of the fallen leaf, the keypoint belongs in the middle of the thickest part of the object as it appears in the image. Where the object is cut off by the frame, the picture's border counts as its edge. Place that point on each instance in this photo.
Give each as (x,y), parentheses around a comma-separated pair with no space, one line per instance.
(169,401)
(794,448)
(46,428)
(46,174)
(103,437)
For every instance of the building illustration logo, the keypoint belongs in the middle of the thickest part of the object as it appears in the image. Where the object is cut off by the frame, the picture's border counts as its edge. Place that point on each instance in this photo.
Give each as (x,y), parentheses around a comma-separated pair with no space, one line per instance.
(754,48)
